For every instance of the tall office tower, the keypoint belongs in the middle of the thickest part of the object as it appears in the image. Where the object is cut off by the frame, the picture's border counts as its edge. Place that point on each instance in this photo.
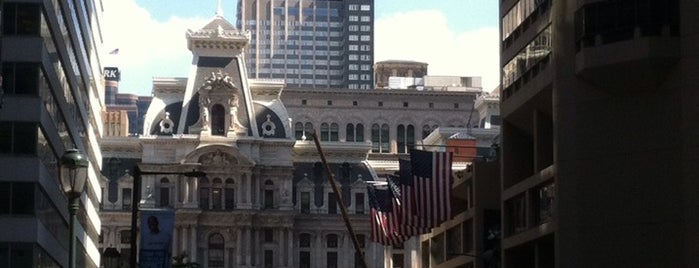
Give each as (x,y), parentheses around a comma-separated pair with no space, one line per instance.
(600,133)
(52,81)
(310,43)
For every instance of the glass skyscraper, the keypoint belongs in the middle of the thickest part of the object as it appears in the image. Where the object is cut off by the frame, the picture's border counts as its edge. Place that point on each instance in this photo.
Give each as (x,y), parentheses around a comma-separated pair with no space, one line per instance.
(310,43)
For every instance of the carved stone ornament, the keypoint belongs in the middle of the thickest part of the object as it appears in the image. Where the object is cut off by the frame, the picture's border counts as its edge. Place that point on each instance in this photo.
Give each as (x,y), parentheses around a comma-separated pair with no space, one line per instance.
(218,80)
(217,158)
(166,124)
(268,127)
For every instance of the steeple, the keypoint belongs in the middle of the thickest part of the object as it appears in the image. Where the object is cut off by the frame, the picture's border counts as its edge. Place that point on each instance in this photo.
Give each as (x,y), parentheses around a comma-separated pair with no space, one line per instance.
(219,11)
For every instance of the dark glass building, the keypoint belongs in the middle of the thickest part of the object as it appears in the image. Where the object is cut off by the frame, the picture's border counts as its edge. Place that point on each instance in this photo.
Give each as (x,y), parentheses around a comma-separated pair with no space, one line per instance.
(52,81)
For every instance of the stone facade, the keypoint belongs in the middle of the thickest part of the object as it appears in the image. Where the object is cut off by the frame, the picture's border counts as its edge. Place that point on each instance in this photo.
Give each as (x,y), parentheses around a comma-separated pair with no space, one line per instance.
(266,200)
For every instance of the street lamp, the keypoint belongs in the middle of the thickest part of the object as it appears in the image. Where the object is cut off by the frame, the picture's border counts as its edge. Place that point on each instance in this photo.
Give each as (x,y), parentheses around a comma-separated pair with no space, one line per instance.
(73,175)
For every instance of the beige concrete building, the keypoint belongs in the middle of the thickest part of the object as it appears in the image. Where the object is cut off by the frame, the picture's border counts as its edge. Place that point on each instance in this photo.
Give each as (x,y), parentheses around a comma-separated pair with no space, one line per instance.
(265,201)
(599,134)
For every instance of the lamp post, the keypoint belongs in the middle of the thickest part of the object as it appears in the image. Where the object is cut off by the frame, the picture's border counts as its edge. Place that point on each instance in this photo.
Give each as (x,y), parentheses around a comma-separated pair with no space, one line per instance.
(136,200)
(73,175)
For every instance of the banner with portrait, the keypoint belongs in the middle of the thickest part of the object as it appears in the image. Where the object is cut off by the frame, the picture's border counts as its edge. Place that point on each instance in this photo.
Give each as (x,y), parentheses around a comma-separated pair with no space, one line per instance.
(155,249)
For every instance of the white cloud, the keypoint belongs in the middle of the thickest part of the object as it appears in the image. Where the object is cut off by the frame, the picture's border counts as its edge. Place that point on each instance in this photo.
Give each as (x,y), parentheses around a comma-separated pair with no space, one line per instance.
(147,47)
(424,36)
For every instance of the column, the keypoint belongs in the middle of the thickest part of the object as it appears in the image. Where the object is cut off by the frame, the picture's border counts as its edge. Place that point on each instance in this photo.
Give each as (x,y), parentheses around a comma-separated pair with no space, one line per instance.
(282,250)
(193,244)
(248,185)
(182,231)
(194,190)
(291,250)
(175,238)
(185,190)
(318,256)
(238,247)
(257,252)
(248,248)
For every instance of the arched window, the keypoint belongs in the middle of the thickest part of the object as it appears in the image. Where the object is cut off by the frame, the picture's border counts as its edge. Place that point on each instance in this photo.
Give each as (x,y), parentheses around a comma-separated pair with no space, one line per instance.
(164,193)
(216,247)
(307,130)
(230,194)
(334,128)
(405,138)
(324,132)
(375,138)
(218,120)
(204,189)
(298,131)
(410,137)
(269,194)
(359,133)
(400,139)
(217,194)
(380,142)
(349,133)
(385,141)
(426,131)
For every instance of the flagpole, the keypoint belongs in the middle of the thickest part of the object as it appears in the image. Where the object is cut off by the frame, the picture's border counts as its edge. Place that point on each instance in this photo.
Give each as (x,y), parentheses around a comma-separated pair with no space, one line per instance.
(343,209)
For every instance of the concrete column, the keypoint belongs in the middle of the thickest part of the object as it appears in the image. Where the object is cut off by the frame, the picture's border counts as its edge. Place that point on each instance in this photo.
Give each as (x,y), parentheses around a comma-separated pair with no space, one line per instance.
(257,246)
(184,246)
(194,190)
(280,243)
(175,238)
(193,243)
(318,256)
(291,252)
(248,245)
(238,247)
(185,190)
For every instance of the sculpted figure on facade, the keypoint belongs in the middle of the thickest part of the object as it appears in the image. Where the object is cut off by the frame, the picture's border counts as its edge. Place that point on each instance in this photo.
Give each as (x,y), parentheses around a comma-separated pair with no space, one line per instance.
(204,103)
(234,122)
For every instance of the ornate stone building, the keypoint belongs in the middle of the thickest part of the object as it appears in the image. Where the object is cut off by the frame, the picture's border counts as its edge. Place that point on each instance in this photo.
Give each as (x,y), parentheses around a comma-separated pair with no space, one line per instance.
(266,200)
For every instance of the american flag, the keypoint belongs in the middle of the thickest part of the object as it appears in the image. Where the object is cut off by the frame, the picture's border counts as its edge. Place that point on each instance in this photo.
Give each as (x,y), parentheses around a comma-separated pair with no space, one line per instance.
(431,183)
(402,207)
(384,221)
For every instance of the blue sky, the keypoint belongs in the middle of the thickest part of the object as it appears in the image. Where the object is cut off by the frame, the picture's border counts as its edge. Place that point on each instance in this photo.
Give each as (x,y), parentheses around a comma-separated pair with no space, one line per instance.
(455,37)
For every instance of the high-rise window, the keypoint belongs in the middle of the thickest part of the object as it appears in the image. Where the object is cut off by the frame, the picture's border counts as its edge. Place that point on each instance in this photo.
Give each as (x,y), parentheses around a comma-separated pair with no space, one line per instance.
(21,19)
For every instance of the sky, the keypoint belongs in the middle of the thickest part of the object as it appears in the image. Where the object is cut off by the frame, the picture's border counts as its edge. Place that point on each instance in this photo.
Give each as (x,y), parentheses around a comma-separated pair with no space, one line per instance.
(455,37)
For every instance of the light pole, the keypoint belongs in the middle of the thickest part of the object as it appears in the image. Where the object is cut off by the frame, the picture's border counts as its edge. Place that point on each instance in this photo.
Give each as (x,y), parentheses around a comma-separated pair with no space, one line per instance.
(73,175)
(136,199)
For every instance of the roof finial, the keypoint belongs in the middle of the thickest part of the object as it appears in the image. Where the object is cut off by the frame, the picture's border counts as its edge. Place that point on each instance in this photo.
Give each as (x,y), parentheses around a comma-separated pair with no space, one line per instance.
(219,11)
